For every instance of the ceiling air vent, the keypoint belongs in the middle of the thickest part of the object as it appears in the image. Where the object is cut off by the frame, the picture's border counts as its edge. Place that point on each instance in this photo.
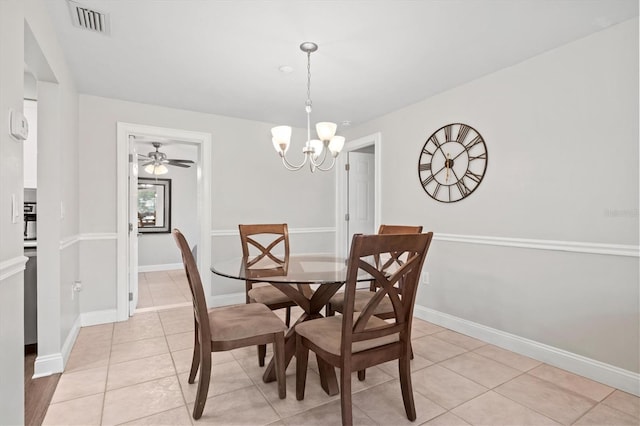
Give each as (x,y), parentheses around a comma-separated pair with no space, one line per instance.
(89,19)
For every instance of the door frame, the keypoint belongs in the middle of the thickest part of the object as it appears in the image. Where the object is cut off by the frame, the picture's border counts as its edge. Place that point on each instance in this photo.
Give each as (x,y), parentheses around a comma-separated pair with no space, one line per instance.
(342,202)
(203,142)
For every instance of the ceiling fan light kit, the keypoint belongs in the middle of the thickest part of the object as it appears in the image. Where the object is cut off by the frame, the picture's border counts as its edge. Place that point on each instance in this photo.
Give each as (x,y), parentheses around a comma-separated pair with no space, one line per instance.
(327,141)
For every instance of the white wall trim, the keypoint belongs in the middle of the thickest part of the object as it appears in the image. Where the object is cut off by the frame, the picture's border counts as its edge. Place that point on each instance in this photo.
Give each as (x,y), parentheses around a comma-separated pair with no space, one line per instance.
(234,232)
(106,316)
(569,246)
(47,365)
(165,267)
(69,241)
(54,363)
(98,236)
(12,267)
(620,378)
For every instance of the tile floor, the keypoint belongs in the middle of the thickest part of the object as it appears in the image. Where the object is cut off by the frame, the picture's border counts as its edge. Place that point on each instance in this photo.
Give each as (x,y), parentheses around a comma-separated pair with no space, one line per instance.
(135,372)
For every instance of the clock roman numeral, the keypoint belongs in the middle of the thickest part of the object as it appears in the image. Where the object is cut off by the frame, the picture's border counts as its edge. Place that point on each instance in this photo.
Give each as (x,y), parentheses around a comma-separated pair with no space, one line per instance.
(473,142)
(434,140)
(482,156)
(435,193)
(447,133)
(464,191)
(424,167)
(428,180)
(426,151)
(474,177)
(462,133)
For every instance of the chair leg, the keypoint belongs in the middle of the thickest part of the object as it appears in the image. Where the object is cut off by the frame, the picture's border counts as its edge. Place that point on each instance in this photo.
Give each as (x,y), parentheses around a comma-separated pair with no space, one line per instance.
(362,375)
(203,385)
(287,320)
(328,310)
(302,359)
(404,365)
(262,353)
(345,395)
(278,351)
(195,360)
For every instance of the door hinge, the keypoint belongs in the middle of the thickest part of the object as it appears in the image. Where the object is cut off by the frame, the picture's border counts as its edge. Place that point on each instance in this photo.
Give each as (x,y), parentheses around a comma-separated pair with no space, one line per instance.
(130,297)
(346,217)
(131,158)
(130,227)
(346,167)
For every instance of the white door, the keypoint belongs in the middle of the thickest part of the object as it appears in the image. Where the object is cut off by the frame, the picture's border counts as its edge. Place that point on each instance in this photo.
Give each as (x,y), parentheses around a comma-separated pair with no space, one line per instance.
(360,195)
(133,226)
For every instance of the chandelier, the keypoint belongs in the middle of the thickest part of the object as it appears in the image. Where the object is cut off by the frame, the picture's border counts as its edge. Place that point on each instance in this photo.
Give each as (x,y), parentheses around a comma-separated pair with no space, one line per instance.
(315,150)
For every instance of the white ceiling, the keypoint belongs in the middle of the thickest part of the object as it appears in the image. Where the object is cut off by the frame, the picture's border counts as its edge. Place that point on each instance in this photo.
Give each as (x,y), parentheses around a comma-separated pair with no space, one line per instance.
(222,57)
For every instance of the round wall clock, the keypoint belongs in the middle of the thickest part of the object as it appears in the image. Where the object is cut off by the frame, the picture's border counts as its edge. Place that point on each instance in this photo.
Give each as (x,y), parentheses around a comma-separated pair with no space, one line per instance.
(452,162)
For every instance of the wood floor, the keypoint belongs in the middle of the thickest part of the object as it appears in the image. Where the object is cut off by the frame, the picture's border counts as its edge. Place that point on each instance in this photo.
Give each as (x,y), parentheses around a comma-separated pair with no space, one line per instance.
(37,392)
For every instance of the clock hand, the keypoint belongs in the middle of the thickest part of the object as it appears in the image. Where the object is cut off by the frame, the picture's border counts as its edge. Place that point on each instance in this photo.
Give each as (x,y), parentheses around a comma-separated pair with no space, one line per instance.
(446,164)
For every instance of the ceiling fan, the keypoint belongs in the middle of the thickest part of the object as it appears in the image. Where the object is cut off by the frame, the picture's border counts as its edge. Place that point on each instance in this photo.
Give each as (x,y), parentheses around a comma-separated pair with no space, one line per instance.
(157,161)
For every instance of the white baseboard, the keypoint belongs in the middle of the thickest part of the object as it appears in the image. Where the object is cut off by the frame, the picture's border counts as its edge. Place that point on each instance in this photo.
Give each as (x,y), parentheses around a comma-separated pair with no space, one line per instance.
(165,267)
(619,378)
(47,365)
(98,317)
(226,299)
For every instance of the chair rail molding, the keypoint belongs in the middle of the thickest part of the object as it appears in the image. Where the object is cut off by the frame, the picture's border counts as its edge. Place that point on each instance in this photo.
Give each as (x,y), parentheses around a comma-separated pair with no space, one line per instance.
(568,246)
(12,267)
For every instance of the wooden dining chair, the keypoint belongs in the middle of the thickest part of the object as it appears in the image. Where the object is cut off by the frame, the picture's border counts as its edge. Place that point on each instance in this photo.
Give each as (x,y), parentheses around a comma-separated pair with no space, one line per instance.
(384,310)
(359,340)
(226,328)
(266,245)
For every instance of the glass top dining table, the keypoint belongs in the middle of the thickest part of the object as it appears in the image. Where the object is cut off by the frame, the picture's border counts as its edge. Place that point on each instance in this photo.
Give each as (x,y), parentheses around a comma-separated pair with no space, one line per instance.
(298,269)
(295,278)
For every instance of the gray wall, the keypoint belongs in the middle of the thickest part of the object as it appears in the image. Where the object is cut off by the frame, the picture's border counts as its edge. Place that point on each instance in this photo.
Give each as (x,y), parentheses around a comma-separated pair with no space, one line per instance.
(248,185)
(27,37)
(562,136)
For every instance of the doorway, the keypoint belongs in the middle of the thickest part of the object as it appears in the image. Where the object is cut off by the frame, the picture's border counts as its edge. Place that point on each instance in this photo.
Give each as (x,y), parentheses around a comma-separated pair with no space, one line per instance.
(166,196)
(358,190)
(127,221)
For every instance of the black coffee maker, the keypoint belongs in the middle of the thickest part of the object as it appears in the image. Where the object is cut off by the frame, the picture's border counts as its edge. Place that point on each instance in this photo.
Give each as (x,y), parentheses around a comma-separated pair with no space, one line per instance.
(30,217)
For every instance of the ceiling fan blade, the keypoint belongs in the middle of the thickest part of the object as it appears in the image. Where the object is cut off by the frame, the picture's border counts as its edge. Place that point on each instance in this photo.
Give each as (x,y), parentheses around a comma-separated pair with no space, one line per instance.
(142,156)
(181,161)
(146,164)
(172,163)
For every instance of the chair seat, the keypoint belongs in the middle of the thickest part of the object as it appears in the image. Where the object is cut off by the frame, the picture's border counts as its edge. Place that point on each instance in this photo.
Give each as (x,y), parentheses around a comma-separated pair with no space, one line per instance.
(326,333)
(362,299)
(241,321)
(268,294)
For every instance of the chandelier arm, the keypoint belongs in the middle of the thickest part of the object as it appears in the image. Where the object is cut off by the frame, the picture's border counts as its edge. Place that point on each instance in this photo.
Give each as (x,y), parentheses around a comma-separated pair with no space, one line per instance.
(290,166)
(324,158)
(333,162)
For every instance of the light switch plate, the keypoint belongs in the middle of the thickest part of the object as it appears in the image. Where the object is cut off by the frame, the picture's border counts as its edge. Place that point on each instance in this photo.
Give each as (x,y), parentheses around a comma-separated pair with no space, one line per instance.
(19,126)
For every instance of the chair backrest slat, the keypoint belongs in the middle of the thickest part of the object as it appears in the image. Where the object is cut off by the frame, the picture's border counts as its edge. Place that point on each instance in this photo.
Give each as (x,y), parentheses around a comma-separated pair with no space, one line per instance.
(365,250)
(280,234)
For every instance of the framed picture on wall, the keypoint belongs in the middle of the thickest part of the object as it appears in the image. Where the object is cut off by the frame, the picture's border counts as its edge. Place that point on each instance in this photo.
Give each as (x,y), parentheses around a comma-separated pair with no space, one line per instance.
(154,205)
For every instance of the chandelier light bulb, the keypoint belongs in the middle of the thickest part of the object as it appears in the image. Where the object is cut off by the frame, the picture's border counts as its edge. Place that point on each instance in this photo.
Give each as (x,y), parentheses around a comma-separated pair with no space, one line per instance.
(317,146)
(281,138)
(336,144)
(326,130)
